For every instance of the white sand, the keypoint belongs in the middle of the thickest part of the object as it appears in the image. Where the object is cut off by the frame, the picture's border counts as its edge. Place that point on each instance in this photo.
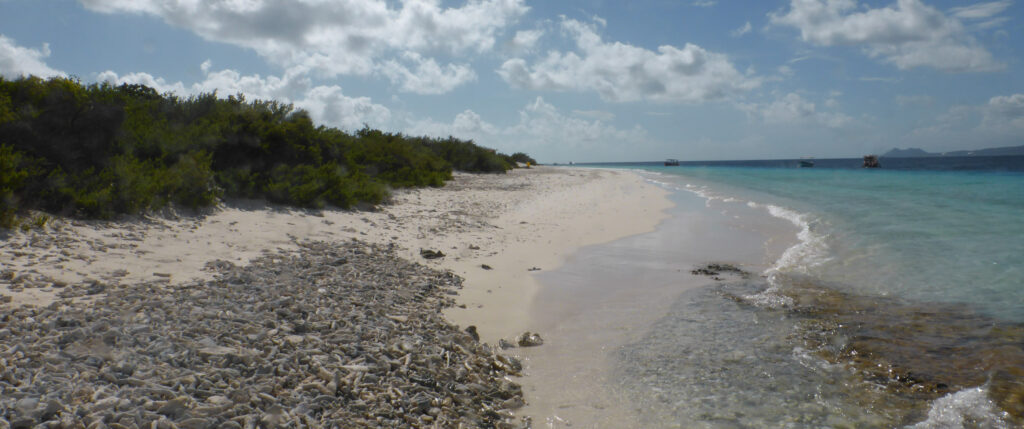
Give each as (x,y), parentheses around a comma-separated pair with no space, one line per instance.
(525,219)
(514,222)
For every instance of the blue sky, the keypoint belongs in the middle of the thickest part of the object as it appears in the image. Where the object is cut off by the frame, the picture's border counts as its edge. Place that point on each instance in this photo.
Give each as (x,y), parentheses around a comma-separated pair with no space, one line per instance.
(570,80)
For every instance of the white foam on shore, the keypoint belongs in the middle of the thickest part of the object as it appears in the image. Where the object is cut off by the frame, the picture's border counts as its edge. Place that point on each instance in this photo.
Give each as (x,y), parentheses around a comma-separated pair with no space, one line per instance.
(965,408)
(811,249)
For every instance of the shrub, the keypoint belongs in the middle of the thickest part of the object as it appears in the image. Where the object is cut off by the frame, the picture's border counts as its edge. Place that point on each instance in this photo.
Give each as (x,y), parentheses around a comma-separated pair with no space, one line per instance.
(468,157)
(101,150)
(523,158)
(14,171)
(306,186)
(191,182)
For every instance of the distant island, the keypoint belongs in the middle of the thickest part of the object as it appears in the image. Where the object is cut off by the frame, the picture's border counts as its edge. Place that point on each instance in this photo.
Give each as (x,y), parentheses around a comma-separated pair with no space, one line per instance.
(916,152)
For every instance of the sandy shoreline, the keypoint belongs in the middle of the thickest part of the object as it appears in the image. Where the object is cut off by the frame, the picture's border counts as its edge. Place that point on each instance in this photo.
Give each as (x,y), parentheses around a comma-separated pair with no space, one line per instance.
(514,224)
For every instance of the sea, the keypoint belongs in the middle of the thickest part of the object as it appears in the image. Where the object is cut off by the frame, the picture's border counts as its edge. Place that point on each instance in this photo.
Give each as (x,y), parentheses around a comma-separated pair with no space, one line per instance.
(896,301)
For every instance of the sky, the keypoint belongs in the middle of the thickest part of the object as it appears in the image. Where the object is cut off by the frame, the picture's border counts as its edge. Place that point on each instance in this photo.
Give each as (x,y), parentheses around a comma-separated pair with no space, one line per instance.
(570,80)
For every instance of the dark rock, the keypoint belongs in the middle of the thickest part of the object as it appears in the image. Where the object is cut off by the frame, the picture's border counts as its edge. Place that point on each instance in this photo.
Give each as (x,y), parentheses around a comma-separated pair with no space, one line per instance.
(714,270)
(95,288)
(528,339)
(471,329)
(431,254)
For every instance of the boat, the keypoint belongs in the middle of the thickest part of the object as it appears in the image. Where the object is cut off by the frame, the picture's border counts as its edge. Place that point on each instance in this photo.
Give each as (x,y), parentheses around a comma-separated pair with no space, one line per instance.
(871,161)
(669,162)
(806,162)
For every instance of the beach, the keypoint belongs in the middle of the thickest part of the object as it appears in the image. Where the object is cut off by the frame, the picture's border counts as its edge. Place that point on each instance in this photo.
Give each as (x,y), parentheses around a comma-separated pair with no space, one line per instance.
(497,232)
(526,219)
(702,297)
(511,214)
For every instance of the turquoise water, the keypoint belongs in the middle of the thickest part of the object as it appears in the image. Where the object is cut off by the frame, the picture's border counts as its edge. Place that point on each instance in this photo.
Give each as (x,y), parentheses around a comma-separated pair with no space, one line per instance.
(942,236)
(900,305)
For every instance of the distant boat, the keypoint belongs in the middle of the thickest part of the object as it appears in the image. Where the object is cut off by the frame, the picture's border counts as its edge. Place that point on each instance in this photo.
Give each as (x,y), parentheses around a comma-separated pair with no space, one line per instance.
(806,162)
(669,162)
(871,161)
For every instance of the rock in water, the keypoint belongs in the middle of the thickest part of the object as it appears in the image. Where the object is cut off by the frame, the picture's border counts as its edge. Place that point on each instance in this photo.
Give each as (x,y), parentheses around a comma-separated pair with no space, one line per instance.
(528,339)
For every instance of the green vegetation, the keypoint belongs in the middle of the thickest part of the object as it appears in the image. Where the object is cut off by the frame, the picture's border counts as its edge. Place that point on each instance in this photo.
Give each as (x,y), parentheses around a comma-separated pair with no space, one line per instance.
(101,150)
(523,158)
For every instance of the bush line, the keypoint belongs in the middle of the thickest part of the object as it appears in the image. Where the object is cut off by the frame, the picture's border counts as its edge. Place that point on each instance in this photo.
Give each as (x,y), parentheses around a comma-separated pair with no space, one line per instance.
(99,151)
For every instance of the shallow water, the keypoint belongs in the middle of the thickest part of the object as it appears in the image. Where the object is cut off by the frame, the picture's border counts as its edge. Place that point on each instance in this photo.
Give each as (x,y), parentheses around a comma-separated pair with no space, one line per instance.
(608,295)
(938,236)
(899,302)
(714,363)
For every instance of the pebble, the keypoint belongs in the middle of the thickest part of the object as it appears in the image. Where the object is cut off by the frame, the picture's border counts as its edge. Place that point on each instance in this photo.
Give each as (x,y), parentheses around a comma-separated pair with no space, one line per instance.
(529,339)
(332,335)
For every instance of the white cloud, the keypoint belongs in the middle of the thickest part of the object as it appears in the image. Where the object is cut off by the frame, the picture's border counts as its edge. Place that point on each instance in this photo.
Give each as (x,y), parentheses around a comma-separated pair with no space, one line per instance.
(980,10)
(622,72)
(1004,113)
(983,13)
(18,61)
(739,32)
(341,37)
(525,40)
(541,126)
(545,125)
(157,83)
(792,109)
(999,121)
(428,77)
(907,34)
(705,3)
(326,104)
(466,125)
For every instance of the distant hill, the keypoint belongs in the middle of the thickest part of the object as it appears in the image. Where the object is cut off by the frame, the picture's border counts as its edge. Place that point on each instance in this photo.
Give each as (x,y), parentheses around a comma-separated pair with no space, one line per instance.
(915,152)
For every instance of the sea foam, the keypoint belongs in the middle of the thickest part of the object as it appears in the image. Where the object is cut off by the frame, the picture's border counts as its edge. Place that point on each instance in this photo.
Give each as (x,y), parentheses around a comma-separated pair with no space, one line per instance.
(965,408)
(811,249)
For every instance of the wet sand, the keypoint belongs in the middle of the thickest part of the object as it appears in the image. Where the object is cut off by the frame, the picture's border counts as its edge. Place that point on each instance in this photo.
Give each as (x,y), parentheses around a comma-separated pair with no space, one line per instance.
(606,296)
